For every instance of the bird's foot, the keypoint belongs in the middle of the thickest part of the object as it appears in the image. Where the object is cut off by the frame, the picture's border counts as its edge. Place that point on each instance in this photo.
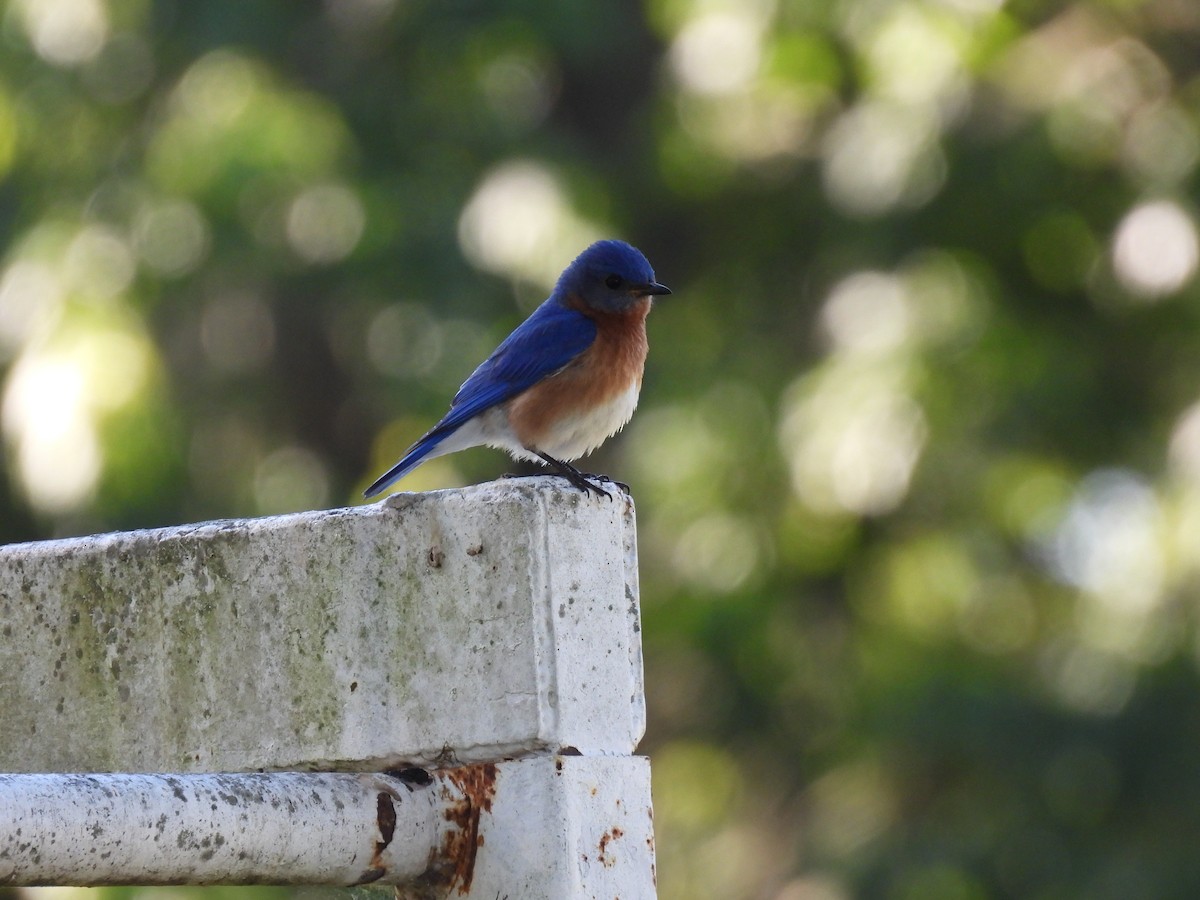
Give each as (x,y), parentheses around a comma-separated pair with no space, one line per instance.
(582,482)
(577,478)
(604,479)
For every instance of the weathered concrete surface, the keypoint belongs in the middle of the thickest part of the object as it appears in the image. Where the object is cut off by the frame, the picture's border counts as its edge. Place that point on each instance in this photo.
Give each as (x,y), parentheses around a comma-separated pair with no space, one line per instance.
(278,828)
(459,625)
(566,827)
(545,828)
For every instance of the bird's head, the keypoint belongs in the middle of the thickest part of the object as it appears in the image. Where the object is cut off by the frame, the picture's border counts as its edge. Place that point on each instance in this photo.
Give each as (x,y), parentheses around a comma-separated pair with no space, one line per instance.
(610,276)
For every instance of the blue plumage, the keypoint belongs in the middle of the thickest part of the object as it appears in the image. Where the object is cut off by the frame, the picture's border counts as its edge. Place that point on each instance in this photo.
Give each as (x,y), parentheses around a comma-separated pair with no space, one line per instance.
(541,345)
(605,279)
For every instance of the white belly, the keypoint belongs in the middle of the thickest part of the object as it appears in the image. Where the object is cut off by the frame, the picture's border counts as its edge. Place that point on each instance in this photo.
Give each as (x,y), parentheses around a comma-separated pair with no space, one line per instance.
(579,434)
(571,437)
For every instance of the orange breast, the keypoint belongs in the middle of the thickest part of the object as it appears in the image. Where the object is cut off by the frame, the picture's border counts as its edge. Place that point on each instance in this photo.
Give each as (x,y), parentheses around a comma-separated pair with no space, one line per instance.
(610,367)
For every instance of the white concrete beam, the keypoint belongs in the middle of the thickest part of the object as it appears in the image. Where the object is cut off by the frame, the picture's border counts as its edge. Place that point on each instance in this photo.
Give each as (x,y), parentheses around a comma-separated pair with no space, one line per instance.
(461,625)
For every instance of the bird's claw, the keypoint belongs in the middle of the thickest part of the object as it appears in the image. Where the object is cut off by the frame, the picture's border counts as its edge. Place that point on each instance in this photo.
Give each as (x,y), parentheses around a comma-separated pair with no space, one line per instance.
(604,479)
(579,479)
(584,484)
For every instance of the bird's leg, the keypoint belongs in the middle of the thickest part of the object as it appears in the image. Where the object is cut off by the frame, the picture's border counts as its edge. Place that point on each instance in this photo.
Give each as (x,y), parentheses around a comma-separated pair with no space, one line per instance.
(572,474)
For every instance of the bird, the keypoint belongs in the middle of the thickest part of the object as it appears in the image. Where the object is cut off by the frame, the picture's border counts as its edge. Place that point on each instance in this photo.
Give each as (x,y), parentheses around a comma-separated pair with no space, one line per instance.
(564,381)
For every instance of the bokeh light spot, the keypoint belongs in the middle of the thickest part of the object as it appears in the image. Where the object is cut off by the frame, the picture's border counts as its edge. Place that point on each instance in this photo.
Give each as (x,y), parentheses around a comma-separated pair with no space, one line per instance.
(519,223)
(31,298)
(98,263)
(1184,448)
(65,32)
(852,437)
(867,313)
(55,402)
(172,237)
(218,88)
(1155,249)
(325,222)
(1108,543)
(44,413)
(914,59)
(881,155)
(718,52)
(119,364)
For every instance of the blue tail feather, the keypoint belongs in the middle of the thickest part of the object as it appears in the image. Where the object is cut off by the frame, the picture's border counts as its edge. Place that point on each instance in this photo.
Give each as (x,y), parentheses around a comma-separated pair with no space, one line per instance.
(414,457)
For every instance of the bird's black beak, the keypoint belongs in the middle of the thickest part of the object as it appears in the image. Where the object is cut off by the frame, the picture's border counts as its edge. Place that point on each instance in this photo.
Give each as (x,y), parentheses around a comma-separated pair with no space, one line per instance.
(653,288)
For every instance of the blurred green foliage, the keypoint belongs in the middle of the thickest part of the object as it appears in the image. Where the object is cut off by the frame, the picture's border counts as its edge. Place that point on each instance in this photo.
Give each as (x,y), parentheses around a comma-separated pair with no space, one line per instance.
(918,459)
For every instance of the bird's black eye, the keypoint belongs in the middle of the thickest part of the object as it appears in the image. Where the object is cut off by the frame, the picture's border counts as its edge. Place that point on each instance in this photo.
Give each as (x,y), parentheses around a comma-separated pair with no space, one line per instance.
(614,281)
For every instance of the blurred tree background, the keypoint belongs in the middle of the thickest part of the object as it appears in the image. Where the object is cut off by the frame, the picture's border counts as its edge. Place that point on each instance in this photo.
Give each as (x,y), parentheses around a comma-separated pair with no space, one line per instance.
(918,458)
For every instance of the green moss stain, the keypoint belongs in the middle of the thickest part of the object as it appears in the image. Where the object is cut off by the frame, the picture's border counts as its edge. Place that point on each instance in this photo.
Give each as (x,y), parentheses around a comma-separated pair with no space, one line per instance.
(222,646)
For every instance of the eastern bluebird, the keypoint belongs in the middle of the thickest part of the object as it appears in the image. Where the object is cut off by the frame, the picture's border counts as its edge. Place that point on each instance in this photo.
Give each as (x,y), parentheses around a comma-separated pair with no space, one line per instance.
(565,380)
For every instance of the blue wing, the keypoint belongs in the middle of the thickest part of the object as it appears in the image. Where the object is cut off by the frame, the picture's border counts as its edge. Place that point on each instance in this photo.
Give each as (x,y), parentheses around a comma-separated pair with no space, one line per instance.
(540,346)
